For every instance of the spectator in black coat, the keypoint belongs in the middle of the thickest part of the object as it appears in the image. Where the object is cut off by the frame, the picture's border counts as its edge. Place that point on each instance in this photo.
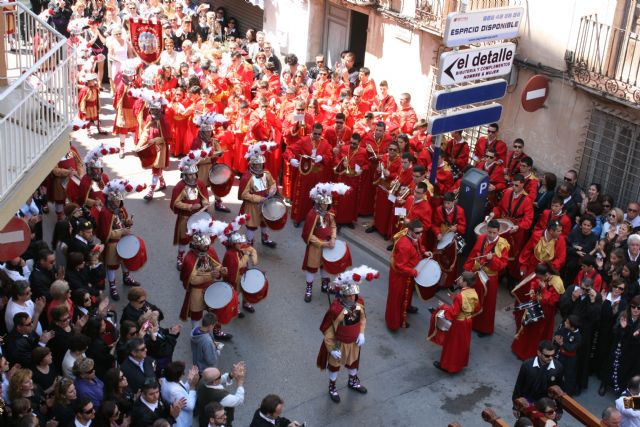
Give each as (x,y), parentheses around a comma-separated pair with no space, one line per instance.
(138,305)
(23,339)
(61,327)
(271,409)
(43,274)
(98,349)
(149,407)
(82,241)
(580,242)
(138,367)
(538,374)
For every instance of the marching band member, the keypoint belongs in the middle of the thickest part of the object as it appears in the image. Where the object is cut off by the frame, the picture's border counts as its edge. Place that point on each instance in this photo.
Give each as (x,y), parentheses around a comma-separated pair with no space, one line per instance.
(544,247)
(388,169)
(448,218)
(490,255)
(400,189)
(512,166)
(456,154)
(311,157)
(189,196)
(456,342)
(376,143)
(530,180)
(445,182)
(405,117)
(350,163)
(125,121)
(265,126)
(343,328)
(494,169)
(92,183)
(237,257)
(339,135)
(89,102)
(296,124)
(200,269)
(68,167)
(156,130)
(256,185)
(517,207)
(114,222)
(319,231)
(407,253)
(417,206)
(555,213)
(205,142)
(491,141)
(546,288)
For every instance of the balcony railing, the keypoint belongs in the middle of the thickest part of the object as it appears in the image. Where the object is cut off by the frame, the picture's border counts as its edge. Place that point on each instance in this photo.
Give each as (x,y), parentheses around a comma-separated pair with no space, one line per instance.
(432,14)
(37,91)
(607,60)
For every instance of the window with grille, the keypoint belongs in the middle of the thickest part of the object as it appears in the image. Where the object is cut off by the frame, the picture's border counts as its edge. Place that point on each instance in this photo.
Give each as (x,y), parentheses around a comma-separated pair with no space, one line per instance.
(611,157)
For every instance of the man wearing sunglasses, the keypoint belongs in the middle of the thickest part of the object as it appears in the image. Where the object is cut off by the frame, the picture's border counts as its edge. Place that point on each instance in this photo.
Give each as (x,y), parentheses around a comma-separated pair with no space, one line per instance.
(495,170)
(491,141)
(538,374)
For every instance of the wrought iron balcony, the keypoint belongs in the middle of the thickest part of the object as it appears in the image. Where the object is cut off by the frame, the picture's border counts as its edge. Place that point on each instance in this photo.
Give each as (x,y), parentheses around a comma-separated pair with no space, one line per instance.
(606,61)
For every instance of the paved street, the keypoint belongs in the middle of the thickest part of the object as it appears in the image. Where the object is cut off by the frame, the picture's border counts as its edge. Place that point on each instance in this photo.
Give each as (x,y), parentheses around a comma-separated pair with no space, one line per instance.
(280,341)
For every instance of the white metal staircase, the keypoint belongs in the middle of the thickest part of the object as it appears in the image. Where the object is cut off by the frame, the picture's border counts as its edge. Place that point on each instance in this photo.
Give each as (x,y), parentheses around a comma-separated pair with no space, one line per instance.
(38,99)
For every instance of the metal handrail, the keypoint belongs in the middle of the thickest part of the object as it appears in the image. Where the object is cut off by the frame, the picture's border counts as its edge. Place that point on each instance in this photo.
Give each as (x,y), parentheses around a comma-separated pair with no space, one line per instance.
(41,99)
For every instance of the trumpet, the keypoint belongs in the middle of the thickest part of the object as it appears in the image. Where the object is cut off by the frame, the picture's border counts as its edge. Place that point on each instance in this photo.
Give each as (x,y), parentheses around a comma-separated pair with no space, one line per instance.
(342,168)
(370,149)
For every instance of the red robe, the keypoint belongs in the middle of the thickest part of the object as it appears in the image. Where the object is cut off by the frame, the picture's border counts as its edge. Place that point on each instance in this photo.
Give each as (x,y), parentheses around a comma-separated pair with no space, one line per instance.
(182,215)
(547,215)
(396,223)
(528,259)
(89,103)
(302,184)
(496,178)
(291,134)
(268,128)
(448,257)
(520,211)
(405,257)
(86,192)
(241,141)
(180,115)
(444,184)
(407,119)
(383,216)
(531,187)
(334,138)
(367,191)
(369,91)
(419,210)
(234,271)
(188,265)
(386,105)
(525,343)
(346,206)
(512,165)
(484,321)
(457,341)
(457,153)
(482,144)
(103,231)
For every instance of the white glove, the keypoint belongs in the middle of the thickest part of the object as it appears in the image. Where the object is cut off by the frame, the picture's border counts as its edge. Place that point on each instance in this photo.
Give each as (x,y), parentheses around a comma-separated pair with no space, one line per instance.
(294,162)
(358,169)
(336,354)
(318,158)
(360,340)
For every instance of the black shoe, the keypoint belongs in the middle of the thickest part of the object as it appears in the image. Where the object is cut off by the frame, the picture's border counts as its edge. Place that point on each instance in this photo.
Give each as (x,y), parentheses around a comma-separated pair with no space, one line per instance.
(129,281)
(324,285)
(240,315)
(354,384)
(269,243)
(222,336)
(370,229)
(437,365)
(333,392)
(406,325)
(221,208)
(248,308)
(431,309)
(113,290)
(390,247)
(482,334)
(297,224)
(350,225)
(412,309)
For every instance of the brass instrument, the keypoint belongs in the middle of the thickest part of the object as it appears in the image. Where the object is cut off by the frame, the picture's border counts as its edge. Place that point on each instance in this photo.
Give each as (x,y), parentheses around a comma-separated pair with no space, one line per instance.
(342,168)
(400,191)
(370,149)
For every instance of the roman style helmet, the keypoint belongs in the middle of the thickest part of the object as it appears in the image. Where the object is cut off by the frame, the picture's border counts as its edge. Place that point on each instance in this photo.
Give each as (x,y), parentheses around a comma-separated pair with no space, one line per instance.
(348,283)
(322,193)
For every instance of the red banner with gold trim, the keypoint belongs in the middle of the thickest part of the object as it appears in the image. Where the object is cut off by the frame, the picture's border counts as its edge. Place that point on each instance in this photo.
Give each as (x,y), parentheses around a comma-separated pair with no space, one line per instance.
(146,38)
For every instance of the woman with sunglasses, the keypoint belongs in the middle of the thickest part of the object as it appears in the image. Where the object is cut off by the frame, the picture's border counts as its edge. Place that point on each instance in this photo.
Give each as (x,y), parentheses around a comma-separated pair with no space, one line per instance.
(612,305)
(116,389)
(626,346)
(110,415)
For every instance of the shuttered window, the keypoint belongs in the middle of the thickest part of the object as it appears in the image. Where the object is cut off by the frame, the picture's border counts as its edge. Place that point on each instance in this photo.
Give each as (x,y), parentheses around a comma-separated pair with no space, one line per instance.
(611,156)
(247,15)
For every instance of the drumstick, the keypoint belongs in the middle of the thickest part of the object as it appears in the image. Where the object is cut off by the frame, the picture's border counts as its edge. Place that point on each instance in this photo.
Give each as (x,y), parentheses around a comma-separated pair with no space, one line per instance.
(478,257)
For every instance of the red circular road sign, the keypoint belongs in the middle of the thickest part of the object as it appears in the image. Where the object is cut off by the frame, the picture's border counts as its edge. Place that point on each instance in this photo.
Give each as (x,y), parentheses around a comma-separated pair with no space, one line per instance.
(535,93)
(14,239)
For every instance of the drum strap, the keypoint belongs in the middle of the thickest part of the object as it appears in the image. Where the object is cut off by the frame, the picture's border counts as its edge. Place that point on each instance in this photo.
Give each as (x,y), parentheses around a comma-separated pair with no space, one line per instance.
(484,242)
(512,213)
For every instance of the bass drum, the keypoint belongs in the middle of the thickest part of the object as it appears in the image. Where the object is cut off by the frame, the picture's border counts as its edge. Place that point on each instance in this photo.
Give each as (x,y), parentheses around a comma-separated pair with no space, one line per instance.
(337,259)
(275,213)
(429,273)
(133,252)
(222,299)
(255,286)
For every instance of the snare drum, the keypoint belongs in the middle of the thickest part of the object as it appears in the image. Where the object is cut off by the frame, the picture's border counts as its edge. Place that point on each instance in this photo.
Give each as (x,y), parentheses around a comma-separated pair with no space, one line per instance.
(255,286)
(222,299)
(221,179)
(132,251)
(275,213)
(337,259)
(532,312)
(505,226)
(147,155)
(73,189)
(196,217)
(483,276)
(446,240)
(442,323)
(429,273)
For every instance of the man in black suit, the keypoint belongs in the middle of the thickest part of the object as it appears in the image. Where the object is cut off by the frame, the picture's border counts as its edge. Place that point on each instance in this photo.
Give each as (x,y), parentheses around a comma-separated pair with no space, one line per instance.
(82,241)
(268,414)
(43,274)
(23,339)
(149,407)
(138,367)
(569,204)
(538,374)
(85,413)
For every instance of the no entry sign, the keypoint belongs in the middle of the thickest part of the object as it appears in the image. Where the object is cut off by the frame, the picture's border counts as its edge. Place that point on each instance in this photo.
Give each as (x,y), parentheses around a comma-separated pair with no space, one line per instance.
(14,239)
(535,93)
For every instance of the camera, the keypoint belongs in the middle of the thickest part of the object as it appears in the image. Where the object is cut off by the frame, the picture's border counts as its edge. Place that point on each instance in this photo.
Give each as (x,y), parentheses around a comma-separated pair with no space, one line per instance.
(631,402)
